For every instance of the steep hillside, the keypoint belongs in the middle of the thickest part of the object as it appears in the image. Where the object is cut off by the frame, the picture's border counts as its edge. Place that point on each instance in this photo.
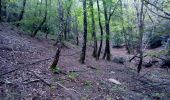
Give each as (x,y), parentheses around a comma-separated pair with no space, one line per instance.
(25,73)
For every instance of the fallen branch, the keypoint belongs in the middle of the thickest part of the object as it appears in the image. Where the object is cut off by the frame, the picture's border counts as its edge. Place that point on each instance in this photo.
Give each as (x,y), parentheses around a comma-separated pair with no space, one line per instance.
(91,67)
(32,81)
(38,77)
(24,65)
(136,56)
(133,58)
(69,90)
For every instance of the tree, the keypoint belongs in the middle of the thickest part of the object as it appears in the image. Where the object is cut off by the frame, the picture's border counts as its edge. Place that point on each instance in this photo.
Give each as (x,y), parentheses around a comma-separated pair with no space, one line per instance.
(101,30)
(166,15)
(44,20)
(107,30)
(83,54)
(140,17)
(123,29)
(60,21)
(57,56)
(67,19)
(0,10)
(94,54)
(22,12)
(76,29)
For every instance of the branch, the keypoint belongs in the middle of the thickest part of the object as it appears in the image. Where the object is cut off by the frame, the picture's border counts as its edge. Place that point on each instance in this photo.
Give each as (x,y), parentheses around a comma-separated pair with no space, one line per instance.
(111,14)
(38,77)
(69,90)
(157,14)
(25,65)
(166,13)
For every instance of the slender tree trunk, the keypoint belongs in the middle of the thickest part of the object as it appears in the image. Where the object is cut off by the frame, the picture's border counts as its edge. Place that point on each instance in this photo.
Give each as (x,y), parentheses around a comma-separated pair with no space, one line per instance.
(67,21)
(57,56)
(101,30)
(76,31)
(107,41)
(123,30)
(65,30)
(60,21)
(44,20)
(107,54)
(22,12)
(141,30)
(94,54)
(40,11)
(0,11)
(83,54)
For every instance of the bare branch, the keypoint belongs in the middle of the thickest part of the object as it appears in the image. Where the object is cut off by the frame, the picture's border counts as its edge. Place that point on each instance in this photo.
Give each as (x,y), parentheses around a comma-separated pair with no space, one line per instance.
(157,13)
(166,13)
(111,14)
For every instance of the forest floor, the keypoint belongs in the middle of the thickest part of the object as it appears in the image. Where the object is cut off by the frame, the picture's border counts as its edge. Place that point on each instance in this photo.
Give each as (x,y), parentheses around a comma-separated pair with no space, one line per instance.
(25,73)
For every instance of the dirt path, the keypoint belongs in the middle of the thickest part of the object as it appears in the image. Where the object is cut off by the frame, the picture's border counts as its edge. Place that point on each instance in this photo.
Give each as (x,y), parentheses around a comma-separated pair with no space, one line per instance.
(96,80)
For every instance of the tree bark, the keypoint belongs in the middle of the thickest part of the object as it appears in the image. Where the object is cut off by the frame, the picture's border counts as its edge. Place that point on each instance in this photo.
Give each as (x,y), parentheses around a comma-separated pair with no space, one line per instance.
(67,21)
(107,54)
(76,30)
(94,54)
(123,30)
(101,31)
(57,56)
(44,20)
(141,30)
(60,21)
(0,11)
(83,54)
(22,12)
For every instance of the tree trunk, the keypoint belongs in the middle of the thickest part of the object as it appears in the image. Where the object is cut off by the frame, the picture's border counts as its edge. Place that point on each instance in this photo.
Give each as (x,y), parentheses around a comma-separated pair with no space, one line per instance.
(141,30)
(60,21)
(107,54)
(67,21)
(94,54)
(76,30)
(83,54)
(123,30)
(22,12)
(65,30)
(57,56)
(101,30)
(44,20)
(0,11)
(107,41)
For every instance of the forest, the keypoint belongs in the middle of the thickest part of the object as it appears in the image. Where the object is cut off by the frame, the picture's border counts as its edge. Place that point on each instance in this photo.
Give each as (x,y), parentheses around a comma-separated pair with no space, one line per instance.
(84,49)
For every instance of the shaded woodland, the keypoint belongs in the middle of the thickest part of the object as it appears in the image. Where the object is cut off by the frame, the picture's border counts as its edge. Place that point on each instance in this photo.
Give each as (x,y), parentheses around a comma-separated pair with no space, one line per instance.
(84,49)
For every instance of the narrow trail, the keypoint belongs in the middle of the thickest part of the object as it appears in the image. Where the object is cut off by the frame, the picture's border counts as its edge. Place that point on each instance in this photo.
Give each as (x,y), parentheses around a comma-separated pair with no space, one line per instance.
(90,81)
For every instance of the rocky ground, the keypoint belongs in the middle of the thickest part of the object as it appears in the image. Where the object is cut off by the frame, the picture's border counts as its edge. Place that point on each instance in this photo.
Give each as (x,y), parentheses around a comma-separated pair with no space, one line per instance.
(25,73)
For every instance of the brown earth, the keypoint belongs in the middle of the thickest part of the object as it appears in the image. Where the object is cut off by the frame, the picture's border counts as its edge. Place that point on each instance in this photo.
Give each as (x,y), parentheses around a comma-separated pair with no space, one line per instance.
(25,73)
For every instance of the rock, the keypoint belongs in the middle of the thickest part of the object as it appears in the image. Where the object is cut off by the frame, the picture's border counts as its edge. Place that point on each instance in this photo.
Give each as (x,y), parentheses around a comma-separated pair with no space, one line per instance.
(155,42)
(114,81)
(149,64)
(6,48)
(119,60)
(165,64)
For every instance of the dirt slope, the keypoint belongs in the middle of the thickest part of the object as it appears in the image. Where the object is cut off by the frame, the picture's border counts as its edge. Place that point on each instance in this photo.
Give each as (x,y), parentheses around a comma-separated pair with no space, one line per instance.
(25,74)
